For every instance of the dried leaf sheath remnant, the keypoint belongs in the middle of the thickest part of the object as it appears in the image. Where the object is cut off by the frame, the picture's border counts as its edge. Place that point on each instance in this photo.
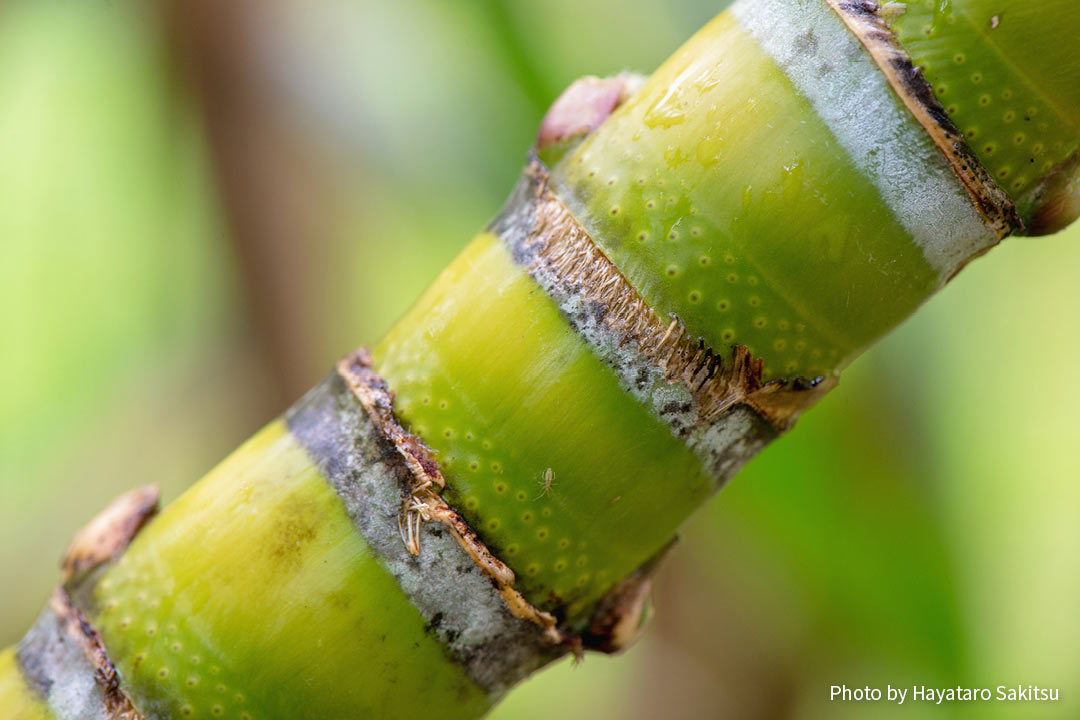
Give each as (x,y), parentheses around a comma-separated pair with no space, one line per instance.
(77,628)
(108,534)
(560,254)
(64,655)
(619,618)
(423,503)
(992,203)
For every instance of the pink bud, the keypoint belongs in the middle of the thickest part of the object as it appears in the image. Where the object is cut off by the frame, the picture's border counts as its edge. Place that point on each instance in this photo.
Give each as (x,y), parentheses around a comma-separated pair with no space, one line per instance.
(584,105)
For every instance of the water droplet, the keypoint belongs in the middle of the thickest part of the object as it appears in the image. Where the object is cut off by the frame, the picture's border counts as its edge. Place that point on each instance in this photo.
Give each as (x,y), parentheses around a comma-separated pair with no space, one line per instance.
(674,156)
(709,150)
(668,111)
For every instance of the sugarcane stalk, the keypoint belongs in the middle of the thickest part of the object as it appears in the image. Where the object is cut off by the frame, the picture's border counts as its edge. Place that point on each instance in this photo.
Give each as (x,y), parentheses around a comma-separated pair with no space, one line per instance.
(685,266)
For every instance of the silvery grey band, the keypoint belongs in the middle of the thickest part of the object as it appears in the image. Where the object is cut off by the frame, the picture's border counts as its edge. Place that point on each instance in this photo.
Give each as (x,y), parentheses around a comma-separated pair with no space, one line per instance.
(457,601)
(830,67)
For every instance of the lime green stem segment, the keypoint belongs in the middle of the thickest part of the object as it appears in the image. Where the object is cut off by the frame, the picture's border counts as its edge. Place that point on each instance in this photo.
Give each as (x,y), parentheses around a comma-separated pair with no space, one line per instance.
(17,701)
(1008,84)
(253,597)
(492,376)
(724,198)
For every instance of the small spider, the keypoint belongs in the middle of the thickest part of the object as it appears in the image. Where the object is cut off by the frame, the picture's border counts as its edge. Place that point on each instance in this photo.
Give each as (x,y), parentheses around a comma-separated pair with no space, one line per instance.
(546,483)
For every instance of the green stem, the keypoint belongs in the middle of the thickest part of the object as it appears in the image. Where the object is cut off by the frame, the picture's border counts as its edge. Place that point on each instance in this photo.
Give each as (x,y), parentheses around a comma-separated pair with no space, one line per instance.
(493,486)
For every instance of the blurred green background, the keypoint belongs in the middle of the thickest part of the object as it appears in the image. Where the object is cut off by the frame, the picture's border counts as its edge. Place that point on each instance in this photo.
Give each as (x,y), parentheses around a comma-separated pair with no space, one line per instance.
(203,205)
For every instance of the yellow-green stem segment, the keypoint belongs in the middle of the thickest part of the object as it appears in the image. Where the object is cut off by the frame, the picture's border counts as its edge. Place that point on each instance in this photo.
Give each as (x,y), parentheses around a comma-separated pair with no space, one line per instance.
(507,391)
(293,617)
(18,700)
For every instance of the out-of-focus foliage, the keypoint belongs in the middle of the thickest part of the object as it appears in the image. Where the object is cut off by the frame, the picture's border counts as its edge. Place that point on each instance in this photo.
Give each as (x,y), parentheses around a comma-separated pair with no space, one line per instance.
(919,527)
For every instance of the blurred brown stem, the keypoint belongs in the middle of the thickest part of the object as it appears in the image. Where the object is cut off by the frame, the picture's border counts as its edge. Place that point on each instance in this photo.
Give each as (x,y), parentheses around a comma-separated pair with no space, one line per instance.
(269,180)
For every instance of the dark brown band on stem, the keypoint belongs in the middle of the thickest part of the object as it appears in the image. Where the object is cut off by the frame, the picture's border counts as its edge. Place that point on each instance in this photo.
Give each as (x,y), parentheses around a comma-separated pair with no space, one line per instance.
(993,204)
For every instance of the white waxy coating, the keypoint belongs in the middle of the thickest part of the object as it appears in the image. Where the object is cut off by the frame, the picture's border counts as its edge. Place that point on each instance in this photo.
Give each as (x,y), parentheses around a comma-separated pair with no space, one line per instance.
(829,66)
(56,665)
